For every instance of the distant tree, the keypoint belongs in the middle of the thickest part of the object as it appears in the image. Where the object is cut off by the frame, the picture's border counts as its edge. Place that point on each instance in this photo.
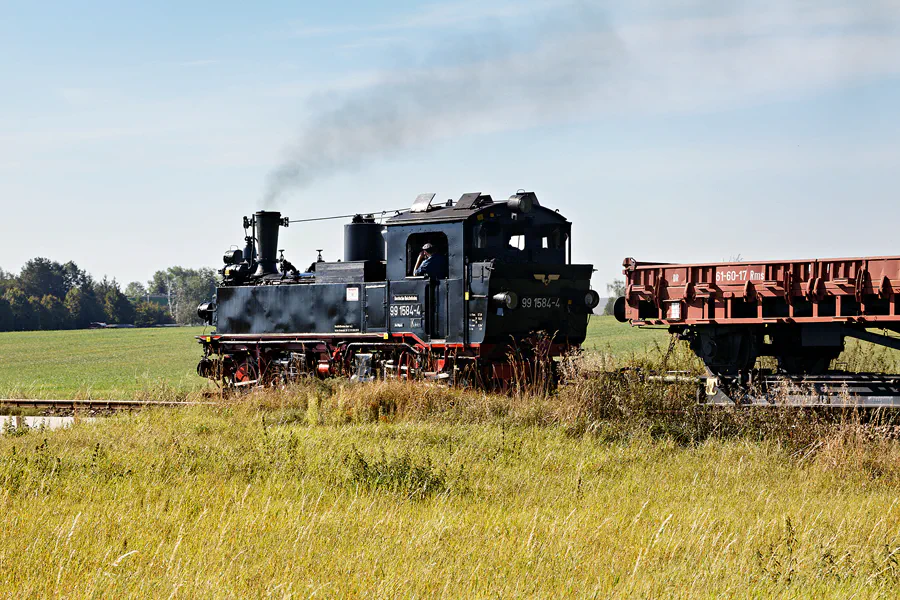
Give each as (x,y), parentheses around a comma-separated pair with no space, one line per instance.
(54,314)
(93,303)
(75,277)
(79,309)
(41,276)
(37,309)
(51,295)
(83,307)
(147,314)
(194,287)
(116,307)
(22,311)
(185,289)
(136,290)
(159,283)
(6,316)
(7,280)
(614,290)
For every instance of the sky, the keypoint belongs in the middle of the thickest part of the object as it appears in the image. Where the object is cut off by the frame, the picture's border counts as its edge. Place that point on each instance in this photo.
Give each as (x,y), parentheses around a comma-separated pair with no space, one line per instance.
(134,136)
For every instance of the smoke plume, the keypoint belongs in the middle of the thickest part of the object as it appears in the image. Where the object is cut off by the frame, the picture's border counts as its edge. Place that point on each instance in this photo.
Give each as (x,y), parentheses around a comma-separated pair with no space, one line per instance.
(553,62)
(500,79)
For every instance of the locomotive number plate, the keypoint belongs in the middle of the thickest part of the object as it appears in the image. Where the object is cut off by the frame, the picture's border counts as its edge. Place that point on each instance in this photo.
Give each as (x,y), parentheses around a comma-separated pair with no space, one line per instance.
(541,302)
(406,310)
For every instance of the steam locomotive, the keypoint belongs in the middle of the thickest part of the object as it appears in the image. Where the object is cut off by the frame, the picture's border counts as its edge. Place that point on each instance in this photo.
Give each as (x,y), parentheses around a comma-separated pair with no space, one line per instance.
(508,296)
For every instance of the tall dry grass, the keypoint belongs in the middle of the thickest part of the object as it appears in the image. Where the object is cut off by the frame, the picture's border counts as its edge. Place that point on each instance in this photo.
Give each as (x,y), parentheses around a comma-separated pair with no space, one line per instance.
(268,497)
(603,396)
(613,486)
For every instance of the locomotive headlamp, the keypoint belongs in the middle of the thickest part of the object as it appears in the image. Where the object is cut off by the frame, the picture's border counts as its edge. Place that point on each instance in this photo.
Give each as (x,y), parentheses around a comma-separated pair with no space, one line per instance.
(591,299)
(522,202)
(506,300)
(233,256)
(207,311)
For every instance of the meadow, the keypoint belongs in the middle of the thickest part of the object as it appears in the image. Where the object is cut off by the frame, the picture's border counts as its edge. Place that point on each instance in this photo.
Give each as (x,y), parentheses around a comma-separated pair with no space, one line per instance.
(100,363)
(401,490)
(606,488)
(161,362)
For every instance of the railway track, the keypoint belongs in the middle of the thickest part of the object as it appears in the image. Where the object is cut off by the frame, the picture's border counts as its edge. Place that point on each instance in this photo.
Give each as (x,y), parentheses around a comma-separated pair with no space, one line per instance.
(833,390)
(93,404)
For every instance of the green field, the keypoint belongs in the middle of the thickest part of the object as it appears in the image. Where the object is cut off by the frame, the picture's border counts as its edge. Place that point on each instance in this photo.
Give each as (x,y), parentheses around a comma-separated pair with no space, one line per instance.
(161,362)
(144,363)
(100,363)
(621,339)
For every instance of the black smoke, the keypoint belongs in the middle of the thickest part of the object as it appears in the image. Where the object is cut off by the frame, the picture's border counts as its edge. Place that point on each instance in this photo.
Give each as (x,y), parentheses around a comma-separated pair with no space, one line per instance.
(500,78)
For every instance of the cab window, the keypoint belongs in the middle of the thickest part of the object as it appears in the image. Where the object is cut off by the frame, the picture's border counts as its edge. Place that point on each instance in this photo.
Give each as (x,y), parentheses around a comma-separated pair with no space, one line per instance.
(416,241)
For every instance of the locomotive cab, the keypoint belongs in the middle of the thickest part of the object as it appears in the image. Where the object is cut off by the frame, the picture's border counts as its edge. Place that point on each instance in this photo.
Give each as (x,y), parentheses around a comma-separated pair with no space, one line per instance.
(509,271)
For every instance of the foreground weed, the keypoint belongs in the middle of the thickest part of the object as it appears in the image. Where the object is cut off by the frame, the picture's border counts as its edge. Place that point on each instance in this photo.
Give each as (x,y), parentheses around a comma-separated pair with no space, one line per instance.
(414,478)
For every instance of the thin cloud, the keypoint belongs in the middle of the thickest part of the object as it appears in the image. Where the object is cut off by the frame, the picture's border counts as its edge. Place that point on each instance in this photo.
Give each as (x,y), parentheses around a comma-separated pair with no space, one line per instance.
(442,15)
(199,63)
(369,42)
(77,95)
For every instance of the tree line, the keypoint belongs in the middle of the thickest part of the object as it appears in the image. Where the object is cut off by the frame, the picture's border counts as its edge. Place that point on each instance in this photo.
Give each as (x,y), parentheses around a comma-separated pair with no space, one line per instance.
(49,295)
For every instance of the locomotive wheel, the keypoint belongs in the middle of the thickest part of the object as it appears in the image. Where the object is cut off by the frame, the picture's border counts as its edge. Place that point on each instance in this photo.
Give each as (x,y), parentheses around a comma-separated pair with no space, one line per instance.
(463,372)
(411,363)
(236,371)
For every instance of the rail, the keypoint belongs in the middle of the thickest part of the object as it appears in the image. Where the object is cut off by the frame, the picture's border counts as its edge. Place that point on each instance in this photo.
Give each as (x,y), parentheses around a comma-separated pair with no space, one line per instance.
(93,404)
(834,390)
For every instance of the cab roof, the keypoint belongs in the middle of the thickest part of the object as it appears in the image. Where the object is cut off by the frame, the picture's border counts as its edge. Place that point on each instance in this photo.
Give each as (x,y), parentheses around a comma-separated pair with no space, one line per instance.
(468,206)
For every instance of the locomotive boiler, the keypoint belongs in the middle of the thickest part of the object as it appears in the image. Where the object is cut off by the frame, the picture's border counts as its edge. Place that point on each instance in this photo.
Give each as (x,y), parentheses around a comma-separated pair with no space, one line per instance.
(504,293)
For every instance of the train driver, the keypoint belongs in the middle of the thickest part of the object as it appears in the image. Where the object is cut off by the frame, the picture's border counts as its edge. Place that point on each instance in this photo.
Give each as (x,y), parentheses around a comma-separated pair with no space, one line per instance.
(431,263)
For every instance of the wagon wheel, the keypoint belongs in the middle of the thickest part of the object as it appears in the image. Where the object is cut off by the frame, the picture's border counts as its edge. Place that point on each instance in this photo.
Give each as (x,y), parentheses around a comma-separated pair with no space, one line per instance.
(814,361)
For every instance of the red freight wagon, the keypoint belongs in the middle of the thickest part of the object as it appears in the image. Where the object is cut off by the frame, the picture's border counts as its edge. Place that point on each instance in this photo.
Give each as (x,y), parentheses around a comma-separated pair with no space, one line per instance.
(798,311)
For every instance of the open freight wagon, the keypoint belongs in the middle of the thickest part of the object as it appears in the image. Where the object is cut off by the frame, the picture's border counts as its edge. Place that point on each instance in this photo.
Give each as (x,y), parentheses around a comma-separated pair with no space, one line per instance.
(800,311)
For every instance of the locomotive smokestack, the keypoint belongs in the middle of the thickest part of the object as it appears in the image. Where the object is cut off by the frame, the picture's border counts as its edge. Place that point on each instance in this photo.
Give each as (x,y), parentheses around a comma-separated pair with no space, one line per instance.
(267,224)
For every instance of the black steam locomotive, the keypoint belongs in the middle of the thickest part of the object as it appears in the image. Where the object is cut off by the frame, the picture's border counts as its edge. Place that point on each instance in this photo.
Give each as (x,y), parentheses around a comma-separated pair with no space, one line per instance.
(501,292)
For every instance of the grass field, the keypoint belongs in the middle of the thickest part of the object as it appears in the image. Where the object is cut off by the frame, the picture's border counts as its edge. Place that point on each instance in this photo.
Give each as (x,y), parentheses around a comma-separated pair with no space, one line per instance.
(272,497)
(99,363)
(608,335)
(330,489)
(154,363)
(141,363)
